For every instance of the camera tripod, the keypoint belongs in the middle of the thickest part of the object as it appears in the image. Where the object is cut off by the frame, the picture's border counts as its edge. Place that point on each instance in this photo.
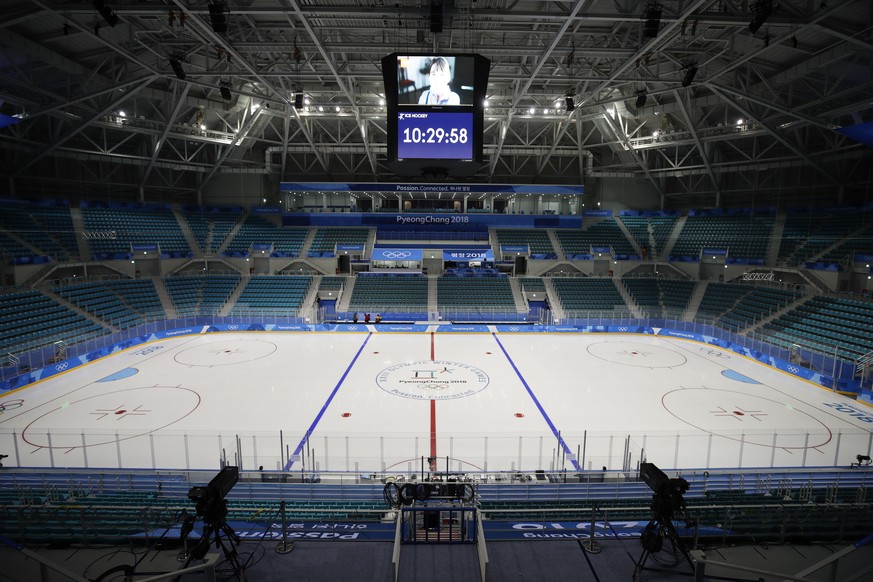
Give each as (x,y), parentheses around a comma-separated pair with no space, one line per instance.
(659,529)
(216,530)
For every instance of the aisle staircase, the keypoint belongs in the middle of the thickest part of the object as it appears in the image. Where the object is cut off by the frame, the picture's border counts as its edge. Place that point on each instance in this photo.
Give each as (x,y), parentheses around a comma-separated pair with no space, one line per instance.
(694,302)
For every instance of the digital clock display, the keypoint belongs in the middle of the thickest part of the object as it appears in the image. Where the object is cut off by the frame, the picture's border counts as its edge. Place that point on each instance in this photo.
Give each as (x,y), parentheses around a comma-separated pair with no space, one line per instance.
(435,134)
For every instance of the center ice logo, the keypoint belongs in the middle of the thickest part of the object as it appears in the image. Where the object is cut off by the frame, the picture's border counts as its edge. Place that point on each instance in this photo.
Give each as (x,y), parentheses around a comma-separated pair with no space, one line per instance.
(432,380)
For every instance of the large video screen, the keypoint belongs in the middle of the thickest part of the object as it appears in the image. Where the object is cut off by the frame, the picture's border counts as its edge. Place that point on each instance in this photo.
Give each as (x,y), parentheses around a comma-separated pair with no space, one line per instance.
(445,80)
(435,110)
(438,135)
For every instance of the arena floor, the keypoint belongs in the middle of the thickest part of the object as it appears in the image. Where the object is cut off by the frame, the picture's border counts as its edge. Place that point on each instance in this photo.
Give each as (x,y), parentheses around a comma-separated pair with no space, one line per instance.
(372,402)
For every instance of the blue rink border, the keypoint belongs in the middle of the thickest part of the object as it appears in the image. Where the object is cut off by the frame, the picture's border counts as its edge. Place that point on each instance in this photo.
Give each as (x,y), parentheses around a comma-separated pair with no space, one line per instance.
(799,371)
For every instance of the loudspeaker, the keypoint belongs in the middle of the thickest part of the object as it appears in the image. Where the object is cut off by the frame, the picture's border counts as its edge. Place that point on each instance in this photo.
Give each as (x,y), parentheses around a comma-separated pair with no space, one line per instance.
(436,17)
(225,92)
(343,264)
(431,520)
(520,266)
(570,105)
(177,68)
(218,16)
(298,101)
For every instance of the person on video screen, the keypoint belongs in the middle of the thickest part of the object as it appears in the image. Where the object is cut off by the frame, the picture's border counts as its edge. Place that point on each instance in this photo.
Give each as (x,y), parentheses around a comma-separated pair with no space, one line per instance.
(439,92)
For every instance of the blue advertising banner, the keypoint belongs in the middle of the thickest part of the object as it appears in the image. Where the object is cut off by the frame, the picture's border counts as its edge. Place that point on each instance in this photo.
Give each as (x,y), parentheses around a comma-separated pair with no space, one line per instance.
(266,210)
(431,222)
(349,247)
(713,252)
(597,213)
(468,255)
(514,248)
(288,327)
(564,530)
(139,248)
(573,190)
(396,254)
(475,328)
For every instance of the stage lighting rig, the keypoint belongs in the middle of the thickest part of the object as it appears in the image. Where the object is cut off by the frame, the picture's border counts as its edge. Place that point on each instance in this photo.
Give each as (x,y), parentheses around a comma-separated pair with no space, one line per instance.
(689,75)
(652,18)
(642,96)
(106,12)
(761,11)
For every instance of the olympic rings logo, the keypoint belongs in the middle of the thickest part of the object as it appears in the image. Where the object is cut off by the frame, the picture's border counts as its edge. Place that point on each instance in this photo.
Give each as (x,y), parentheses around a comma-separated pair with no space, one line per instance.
(396,254)
(622,329)
(10,405)
(62,367)
(793,369)
(232,327)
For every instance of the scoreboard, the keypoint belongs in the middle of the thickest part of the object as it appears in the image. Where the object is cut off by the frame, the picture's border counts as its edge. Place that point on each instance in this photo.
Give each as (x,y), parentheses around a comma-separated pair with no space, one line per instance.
(435,109)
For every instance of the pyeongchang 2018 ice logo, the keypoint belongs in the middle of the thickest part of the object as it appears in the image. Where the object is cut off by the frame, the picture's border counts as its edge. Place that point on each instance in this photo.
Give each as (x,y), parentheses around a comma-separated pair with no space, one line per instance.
(432,380)
(402,116)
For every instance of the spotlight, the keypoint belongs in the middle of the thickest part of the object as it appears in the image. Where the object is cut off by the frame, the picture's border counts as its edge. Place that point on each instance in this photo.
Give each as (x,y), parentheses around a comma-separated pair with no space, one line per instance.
(761,11)
(641,99)
(689,75)
(436,16)
(225,91)
(106,12)
(218,12)
(177,68)
(653,20)
(863,460)
(570,104)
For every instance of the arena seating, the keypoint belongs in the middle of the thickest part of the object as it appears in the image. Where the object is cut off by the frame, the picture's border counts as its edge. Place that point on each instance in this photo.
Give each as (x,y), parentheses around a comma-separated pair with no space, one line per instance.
(754,306)
(325,240)
(286,241)
(660,297)
(745,237)
(114,229)
(29,319)
(382,292)
(537,240)
(122,303)
(605,233)
(808,233)
(826,324)
(272,295)
(532,284)
(210,226)
(580,294)
(200,295)
(460,293)
(49,229)
(646,229)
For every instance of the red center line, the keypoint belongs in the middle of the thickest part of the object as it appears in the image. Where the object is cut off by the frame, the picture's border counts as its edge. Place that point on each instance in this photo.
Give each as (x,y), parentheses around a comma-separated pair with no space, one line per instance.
(433,439)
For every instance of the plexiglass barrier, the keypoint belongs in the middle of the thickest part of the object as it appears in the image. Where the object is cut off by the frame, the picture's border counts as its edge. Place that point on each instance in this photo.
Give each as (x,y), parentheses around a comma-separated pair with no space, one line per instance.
(468,453)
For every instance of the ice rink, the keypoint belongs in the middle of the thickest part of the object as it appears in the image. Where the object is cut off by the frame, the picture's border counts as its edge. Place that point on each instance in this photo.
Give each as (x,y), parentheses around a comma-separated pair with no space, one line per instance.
(382,402)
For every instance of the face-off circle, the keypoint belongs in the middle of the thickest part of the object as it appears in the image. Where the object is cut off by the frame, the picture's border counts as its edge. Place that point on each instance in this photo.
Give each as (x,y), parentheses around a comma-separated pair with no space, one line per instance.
(432,380)
(225,353)
(133,412)
(752,419)
(637,355)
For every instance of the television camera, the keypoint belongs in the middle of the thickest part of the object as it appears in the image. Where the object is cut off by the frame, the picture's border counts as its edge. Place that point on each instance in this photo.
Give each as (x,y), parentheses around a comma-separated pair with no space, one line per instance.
(668,503)
(211,508)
